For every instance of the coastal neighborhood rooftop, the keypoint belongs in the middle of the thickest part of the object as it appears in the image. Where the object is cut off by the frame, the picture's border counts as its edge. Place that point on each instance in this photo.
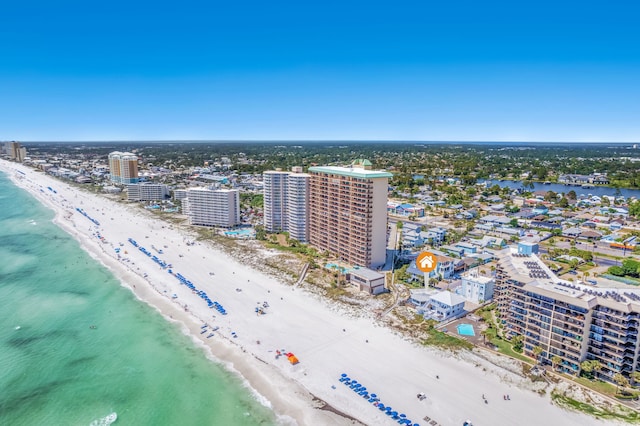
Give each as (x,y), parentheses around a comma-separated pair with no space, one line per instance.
(529,269)
(351,171)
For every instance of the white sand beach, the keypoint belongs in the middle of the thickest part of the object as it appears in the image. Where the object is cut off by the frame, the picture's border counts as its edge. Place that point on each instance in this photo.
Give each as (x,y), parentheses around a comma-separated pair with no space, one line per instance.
(327,340)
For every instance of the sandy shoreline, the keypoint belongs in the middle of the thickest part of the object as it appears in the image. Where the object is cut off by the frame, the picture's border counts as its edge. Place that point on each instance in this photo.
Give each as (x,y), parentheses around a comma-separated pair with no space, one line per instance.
(392,367)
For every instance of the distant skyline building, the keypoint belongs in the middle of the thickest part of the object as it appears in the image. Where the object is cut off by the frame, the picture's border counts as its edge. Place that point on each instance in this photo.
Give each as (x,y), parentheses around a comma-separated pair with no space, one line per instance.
(123,167)
(213,207)
(348,212)
(286,202)
(14,151)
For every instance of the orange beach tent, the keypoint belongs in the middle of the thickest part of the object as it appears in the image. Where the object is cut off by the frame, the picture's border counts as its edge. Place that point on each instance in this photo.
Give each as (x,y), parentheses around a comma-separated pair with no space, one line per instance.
(292,358)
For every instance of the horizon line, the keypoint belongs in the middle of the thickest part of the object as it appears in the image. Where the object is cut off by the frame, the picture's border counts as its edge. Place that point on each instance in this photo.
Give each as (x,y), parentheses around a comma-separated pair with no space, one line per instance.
(416,141)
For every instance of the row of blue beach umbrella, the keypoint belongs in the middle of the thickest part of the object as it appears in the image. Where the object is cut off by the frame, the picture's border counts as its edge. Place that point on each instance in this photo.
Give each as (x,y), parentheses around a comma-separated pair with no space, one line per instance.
(361,390)
(83,213)
(211,303)
(155,258)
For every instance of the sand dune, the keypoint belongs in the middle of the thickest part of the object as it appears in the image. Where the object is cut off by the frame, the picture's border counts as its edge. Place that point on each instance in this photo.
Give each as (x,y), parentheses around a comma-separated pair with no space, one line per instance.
(326,340)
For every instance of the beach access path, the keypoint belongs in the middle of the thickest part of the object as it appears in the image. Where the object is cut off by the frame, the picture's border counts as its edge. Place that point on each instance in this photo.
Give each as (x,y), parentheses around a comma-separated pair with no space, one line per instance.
(327,339)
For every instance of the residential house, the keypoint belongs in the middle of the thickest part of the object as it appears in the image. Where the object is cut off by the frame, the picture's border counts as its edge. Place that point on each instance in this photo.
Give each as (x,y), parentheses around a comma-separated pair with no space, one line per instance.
(572,232)
(444,305)
(444,269)
(489,241)
(467,248)
(404,209)
(545,225)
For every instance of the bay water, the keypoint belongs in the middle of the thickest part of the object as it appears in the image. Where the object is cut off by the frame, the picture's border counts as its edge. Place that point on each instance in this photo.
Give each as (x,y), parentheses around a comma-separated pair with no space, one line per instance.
(75,345)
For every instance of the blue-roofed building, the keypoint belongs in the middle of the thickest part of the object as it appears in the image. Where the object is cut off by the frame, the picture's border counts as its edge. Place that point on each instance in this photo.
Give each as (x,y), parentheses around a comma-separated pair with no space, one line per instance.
(525,247)
(404,209)
(540,210)
(467,248)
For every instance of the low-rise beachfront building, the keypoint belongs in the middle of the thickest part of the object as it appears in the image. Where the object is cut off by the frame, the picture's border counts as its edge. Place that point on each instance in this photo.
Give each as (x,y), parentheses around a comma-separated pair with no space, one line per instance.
(123,167)
(573,322)
(147,191)
(367,280)
(348,212)
(213,207)
(437,305)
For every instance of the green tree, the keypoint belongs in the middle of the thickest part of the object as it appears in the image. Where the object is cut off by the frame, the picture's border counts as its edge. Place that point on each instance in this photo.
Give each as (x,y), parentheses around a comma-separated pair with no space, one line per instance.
(516,342)
(590,367)
(260,233)
(537,350)
(634,208)
(556,361)
(618,271)
(597,366)
(401,273)
(621,381)
(586,367)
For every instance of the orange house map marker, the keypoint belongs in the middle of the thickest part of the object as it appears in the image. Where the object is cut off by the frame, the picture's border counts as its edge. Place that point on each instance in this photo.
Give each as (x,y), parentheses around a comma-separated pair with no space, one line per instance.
(426,261)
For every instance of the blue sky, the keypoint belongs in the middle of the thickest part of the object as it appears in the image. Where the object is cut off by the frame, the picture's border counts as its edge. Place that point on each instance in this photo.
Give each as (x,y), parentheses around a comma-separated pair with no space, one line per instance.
(402,70)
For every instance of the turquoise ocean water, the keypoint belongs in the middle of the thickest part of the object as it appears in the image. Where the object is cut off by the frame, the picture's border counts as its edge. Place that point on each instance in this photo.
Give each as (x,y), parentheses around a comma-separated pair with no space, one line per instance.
(55,369)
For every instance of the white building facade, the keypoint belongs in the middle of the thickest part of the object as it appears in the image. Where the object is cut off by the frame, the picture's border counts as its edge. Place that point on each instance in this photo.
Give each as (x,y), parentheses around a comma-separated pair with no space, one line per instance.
(209,207)
(286,203)
(477,288)
(147,191)
(275,200)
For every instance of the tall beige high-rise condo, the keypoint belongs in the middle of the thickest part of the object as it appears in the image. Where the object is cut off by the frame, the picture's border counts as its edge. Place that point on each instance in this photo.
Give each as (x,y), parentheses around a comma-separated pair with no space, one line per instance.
(123,167)
(348,212)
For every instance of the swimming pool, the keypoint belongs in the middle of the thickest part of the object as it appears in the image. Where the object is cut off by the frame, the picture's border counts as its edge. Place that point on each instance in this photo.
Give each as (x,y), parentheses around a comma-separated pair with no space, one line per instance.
(465,330)
(239,233)
(335,267)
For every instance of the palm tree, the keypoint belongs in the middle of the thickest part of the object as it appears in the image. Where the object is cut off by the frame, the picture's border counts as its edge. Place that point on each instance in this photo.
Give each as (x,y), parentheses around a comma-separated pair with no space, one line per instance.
(620,380)
(556,361)
(590,367)
(516,342)
(586,367)
(484,336)
(536,353)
